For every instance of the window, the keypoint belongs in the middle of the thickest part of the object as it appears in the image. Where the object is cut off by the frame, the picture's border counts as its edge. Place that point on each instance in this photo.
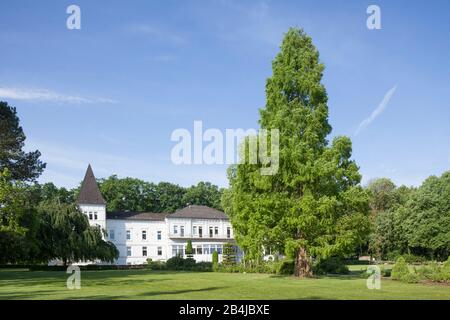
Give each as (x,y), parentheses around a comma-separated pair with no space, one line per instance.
(144,251)
(177,251)
(210,232)
(158,235)
(216,231)
(144,234)
(199,250)
(194,230)
(95,216)
(206,249)
(200,232)
(219,249)
(182,231)
(111,234)
(128,251)
(159,251)
(228,232)
(175,229)
(90,215)
(128,235)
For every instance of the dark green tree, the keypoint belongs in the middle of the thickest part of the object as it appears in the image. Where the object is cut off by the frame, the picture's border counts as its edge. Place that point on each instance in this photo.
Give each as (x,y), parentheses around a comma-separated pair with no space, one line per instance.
(128,194)
(23,166)
(189,250)
(313,205)
(204,193)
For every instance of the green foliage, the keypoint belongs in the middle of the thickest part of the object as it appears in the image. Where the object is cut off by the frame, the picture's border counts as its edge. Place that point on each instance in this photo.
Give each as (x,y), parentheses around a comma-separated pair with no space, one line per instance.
(21,165)
(332,265)
(286,267)
(177,263)
(136,195)
(400,270)
(313,204)
(382,194)
(65,234)
(204,193)
(155,265)
(229,254)
(189,250)
(215,257)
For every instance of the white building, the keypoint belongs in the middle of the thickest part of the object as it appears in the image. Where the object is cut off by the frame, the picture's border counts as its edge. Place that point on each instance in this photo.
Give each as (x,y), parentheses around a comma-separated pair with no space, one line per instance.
(159,236)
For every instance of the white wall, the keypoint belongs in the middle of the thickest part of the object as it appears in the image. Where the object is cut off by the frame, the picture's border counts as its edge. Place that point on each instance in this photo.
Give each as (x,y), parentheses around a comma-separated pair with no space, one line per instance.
(92,210)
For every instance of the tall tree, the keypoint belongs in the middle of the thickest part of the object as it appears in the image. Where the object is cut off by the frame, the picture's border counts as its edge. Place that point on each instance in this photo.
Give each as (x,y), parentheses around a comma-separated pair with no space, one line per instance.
(23,166)
(313,205)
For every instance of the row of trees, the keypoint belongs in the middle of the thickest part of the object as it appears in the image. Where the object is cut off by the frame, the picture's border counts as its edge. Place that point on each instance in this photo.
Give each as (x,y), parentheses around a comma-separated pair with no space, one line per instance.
(413,221)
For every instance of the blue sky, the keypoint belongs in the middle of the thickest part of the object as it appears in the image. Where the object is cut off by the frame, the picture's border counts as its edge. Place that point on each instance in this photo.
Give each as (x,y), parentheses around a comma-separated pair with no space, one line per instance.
(111,93)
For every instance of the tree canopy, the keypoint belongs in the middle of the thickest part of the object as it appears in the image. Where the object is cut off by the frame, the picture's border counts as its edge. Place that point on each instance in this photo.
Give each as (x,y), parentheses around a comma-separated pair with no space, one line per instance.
(23,166)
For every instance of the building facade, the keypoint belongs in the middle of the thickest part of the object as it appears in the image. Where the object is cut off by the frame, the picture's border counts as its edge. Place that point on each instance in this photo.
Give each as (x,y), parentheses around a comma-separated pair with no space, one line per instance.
(142,235)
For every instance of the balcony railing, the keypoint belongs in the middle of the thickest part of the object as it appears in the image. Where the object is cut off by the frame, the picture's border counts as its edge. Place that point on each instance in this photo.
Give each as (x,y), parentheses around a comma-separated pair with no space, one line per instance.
(197,236)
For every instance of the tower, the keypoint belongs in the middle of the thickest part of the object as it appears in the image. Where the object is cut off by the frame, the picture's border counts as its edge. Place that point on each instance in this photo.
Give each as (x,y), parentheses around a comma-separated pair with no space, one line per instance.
(91,202)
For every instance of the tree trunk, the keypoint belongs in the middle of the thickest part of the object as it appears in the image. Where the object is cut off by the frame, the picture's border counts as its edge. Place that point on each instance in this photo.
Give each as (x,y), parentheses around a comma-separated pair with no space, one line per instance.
(302,266)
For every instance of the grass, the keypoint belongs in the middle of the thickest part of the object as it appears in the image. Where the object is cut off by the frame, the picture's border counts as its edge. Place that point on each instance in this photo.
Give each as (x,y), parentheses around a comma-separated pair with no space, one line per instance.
(143,284)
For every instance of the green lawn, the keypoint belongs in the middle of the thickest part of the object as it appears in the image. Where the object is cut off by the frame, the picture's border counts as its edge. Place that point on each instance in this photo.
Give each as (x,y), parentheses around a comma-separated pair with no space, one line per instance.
(143,284)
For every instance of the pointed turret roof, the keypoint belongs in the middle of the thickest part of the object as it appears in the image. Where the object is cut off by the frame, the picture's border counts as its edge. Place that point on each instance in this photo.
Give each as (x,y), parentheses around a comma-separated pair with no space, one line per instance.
(89,192)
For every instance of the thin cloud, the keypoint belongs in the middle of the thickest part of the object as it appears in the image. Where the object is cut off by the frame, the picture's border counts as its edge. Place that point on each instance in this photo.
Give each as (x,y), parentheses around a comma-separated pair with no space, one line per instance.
(381,107)
(157,34)
(37,95)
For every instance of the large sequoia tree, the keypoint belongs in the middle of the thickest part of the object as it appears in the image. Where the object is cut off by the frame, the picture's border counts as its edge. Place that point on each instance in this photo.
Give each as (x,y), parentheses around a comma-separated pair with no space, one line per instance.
(313,206)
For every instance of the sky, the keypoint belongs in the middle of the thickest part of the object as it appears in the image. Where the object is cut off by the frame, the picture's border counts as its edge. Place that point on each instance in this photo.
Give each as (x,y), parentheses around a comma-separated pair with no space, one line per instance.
(112,93)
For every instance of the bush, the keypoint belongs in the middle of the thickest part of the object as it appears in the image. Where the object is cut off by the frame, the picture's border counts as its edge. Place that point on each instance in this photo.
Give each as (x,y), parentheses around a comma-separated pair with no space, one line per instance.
(286,267)
(410,278)
(400,269)
(385,272)
(202,267)
(175,263)
(411,258)
(156,265)
(331,265)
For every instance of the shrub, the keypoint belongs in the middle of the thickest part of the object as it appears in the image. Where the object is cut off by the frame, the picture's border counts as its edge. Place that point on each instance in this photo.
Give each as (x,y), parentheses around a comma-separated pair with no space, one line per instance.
(175,263)
(400,269)
(202,267)
(331,265)
(410,278)
(386,272)
(411,258)
(215,257)
(155,265)
(286,267)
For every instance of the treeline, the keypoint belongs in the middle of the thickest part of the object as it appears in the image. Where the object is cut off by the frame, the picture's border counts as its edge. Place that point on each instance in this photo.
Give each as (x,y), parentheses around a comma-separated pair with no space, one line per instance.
(133,194)
(408,221)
